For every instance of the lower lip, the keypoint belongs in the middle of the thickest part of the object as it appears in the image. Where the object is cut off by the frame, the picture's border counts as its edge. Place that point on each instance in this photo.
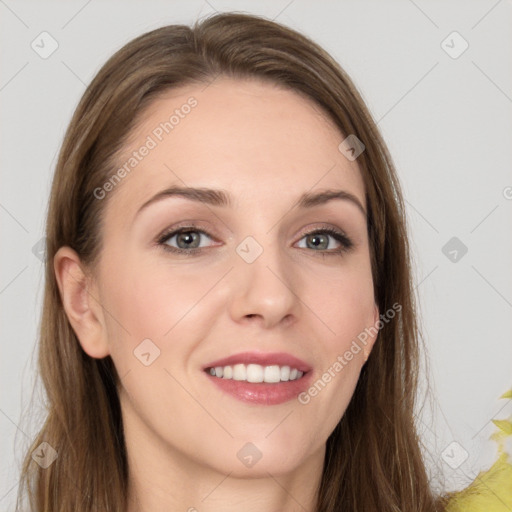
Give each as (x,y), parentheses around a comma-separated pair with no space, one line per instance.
(262,393)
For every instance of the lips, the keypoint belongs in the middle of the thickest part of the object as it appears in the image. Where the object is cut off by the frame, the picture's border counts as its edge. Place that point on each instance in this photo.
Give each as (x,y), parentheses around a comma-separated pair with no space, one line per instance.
(261,393)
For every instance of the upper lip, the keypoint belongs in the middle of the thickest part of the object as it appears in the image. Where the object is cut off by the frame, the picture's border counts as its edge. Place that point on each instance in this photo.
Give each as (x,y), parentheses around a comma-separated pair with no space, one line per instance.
(263,359)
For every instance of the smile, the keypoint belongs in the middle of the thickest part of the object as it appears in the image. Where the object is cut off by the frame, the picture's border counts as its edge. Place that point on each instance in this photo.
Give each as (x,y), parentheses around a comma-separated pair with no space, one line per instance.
(256,373)
(260,379)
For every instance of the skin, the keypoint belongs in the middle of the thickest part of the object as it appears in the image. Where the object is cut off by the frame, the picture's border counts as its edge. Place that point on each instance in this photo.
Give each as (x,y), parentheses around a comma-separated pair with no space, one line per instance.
(265,146)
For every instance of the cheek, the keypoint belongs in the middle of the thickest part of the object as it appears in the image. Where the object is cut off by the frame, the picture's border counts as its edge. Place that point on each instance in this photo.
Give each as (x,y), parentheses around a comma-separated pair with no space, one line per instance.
(344,302)
(341,361)
(152,300)
(139,300)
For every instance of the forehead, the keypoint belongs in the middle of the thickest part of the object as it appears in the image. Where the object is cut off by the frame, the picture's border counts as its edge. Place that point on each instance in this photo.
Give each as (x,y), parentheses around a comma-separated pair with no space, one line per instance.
(255,139)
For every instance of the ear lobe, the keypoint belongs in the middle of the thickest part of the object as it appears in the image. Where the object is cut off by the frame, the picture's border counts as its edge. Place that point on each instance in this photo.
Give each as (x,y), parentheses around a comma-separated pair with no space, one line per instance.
(82,309)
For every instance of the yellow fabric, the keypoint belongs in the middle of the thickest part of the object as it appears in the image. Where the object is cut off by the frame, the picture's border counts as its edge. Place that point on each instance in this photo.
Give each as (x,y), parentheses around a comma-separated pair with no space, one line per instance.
(491,490)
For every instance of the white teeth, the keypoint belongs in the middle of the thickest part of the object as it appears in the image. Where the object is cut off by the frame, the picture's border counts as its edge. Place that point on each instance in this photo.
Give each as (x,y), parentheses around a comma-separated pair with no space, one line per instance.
(272,374)
(256,373)
(239,372)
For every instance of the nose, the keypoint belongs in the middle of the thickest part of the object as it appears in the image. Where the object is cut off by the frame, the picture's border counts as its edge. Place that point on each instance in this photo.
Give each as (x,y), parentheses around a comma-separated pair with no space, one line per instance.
(264,291)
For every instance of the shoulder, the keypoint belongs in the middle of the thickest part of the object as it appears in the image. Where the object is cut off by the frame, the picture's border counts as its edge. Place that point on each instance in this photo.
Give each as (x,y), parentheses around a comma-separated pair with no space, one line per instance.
(491,490)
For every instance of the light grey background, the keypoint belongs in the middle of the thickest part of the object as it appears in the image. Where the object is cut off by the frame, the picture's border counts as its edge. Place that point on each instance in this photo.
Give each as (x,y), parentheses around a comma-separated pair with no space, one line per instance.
(447,122)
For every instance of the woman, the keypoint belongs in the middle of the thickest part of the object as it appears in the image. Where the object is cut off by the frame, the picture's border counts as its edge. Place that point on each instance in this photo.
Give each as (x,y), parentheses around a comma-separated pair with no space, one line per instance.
(229,318)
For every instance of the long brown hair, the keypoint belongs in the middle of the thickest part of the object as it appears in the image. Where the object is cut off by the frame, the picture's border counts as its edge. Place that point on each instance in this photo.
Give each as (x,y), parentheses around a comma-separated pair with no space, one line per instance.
(374,458)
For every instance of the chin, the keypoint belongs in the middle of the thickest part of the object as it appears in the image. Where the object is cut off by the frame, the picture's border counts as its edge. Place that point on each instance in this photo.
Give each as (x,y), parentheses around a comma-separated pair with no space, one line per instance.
(259,457)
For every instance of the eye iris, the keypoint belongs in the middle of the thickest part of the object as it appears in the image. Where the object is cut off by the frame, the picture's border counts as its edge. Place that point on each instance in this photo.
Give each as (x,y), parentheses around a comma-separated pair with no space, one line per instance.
(188,236)
(319,240)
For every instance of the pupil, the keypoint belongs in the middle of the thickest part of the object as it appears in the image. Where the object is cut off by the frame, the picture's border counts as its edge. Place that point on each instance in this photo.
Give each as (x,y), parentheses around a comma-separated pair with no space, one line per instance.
(317,238)
(187,237)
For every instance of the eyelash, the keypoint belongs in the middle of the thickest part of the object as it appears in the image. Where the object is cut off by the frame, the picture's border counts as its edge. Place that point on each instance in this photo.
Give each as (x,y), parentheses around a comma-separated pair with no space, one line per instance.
(346,243)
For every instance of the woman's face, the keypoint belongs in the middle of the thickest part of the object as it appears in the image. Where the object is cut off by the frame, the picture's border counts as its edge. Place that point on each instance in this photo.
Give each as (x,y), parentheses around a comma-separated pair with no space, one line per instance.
(249,284)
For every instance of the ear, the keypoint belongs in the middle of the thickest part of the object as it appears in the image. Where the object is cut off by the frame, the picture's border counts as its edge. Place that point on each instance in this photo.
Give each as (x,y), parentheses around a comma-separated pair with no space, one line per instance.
(81,303)
(370,342)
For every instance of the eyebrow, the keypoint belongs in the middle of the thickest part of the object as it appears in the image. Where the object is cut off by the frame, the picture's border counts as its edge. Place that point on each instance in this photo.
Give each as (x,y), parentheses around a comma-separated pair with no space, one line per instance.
(218,197)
